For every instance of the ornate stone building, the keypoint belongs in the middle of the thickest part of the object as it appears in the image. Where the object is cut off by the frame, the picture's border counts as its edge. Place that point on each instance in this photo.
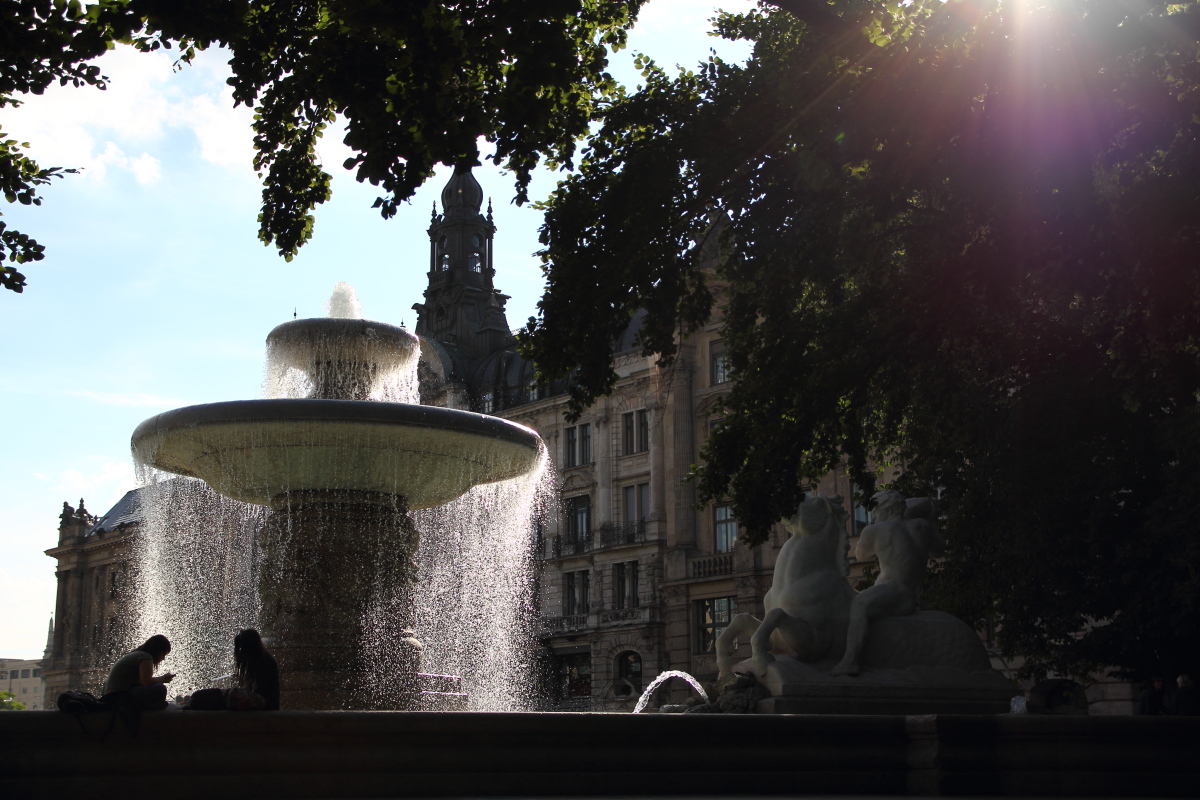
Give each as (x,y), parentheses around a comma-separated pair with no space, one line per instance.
(93,555)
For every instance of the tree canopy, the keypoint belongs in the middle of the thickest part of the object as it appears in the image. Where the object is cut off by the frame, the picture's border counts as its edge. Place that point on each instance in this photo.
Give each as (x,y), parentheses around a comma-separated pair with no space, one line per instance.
(957,237)
(9,702)
(418,83)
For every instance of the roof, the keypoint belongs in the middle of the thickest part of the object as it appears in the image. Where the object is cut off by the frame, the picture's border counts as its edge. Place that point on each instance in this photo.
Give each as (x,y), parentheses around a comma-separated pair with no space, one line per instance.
(628,339)
(127,511)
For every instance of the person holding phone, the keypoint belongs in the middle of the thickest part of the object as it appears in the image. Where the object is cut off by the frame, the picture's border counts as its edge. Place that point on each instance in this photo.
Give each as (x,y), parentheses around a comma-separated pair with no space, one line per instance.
(133,678)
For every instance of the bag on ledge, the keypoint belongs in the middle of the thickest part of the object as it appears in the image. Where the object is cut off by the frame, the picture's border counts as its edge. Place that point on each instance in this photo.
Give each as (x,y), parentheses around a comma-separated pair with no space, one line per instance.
(209,700)
(76,702)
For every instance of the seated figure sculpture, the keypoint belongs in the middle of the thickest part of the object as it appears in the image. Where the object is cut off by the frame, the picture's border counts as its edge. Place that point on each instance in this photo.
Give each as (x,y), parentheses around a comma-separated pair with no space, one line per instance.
(808,604)
(903,546)
(822,647)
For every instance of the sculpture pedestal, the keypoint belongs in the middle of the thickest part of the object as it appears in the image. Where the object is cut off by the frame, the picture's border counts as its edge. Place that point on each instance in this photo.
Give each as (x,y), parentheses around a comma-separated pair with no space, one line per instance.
(925,663)
(336,582)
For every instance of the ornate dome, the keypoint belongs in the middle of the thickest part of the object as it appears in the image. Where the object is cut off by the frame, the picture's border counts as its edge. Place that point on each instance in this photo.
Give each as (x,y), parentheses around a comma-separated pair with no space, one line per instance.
(462,192)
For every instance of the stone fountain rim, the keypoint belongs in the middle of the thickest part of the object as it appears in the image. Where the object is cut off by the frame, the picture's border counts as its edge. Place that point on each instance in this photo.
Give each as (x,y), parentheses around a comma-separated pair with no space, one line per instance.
(364,412)
(311,325)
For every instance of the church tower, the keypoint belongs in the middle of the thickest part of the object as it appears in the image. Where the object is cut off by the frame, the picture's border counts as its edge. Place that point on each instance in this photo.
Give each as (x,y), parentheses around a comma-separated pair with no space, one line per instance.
(462,307)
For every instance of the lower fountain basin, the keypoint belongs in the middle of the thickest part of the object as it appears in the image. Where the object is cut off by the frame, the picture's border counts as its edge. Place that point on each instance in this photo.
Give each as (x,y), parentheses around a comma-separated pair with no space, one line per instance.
(259,451)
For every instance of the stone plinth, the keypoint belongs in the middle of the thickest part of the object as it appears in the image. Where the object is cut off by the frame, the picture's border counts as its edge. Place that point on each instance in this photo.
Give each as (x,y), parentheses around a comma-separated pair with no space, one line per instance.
(326,559)
(263,755)
(926,663)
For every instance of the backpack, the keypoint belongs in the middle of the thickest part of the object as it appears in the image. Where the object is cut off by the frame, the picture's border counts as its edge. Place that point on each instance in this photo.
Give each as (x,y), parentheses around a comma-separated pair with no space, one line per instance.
(77,703)
(80,704)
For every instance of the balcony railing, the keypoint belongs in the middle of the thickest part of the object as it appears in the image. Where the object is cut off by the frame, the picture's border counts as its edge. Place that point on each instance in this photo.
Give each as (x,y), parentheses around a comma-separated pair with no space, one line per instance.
(610,534)
(615,534)
(561,546)
(574,622)
(713,565)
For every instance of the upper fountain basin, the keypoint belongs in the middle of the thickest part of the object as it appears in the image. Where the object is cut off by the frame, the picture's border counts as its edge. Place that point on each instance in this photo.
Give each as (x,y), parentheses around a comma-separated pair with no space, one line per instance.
(343,359)
(259,451)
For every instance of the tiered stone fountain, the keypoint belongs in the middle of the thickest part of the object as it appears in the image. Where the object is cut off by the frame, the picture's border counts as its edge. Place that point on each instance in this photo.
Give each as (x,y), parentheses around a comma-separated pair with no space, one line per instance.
(341,473)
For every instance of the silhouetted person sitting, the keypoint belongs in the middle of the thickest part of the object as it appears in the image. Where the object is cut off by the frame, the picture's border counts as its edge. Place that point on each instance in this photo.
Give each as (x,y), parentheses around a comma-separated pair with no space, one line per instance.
(132,679)
(257,673)
(1187,697)
(1150,704)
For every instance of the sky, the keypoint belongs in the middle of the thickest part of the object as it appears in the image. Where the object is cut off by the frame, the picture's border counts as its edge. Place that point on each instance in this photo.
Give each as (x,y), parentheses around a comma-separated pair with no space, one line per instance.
(156,293)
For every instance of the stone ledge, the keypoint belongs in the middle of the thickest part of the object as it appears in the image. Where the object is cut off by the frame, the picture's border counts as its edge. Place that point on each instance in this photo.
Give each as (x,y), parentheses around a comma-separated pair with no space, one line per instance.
(416,754)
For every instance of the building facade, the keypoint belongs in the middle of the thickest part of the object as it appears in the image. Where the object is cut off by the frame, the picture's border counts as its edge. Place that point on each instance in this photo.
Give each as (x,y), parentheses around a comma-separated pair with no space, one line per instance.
(25,679)
(94,562)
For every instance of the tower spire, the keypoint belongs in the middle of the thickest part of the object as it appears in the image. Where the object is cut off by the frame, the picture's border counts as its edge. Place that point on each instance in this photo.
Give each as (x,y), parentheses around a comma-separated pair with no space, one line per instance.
(462,307)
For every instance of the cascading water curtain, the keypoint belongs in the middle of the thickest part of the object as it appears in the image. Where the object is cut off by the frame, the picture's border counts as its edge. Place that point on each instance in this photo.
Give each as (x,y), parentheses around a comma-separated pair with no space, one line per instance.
(195,577)
(475,605)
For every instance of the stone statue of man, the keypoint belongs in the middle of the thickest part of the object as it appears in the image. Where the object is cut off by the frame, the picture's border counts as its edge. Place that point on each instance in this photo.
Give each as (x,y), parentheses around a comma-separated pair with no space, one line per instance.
(904,547)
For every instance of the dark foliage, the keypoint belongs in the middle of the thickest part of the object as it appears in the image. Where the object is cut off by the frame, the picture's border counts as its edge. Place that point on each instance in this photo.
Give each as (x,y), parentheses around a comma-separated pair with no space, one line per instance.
(960,238)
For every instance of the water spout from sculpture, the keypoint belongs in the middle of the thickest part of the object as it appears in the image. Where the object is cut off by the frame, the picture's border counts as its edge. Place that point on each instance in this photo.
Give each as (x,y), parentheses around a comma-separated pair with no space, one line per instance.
(662,678)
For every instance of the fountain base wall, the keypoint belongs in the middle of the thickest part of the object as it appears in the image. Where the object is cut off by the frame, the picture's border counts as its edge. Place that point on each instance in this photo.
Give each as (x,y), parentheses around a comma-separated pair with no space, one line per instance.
(412,754)
(336,586)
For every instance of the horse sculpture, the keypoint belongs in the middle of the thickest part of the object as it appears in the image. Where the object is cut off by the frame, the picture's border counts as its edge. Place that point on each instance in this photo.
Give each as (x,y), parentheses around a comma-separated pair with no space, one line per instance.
(808,605)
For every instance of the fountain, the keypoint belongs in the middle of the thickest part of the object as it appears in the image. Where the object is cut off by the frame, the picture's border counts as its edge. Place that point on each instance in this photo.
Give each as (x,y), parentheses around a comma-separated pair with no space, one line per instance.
(340,464)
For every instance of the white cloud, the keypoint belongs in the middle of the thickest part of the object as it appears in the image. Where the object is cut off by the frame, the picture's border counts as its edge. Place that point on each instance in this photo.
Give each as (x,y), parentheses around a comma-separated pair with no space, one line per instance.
(222,130)
(144,101)
(145,168)
(105,479)
(666,17)
(128,399)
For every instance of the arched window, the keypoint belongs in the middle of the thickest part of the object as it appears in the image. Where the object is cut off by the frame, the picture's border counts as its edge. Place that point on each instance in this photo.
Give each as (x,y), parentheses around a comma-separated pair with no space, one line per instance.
(445,262)
(629,674)
(474,262)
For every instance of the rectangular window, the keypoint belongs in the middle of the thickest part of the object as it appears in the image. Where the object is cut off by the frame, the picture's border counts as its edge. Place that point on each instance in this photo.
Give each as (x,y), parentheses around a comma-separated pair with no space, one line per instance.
(724,527)
(862,518)
(16,673)
(718,364)
(37,673)
(643,431)
(577,445)
(627,434)
(569,447)
(569,596)
(712,618)
(24,673)
(625,585)
(579,518)
(619,586)
(637,502)
(578,591)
